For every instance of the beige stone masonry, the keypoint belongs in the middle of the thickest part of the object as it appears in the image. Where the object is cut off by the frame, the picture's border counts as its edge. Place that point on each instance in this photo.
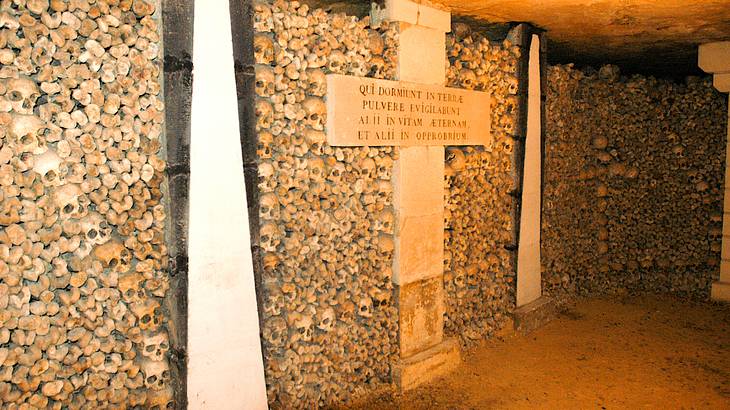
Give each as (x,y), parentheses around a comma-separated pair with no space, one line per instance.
(714,58)
(414,13)
(722,82)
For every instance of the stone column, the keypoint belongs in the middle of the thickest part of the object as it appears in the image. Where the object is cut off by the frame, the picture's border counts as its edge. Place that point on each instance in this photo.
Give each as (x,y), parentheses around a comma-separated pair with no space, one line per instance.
(225,364)
(529,271)
(419,203)
(714,58)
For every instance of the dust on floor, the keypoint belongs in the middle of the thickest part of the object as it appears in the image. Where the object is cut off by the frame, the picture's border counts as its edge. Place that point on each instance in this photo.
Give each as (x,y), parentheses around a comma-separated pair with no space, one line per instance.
(633,353)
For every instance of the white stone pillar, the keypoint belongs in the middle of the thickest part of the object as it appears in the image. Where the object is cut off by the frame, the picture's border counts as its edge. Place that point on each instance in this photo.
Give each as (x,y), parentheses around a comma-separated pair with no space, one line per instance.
(529,270)
(225,365)
(419,203)
(714,58)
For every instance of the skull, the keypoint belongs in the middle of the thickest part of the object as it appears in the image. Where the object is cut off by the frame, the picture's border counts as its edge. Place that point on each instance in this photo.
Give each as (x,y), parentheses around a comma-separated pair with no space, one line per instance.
(274,301)
(269,209)
(48,165)
(455,159)
(95,229)
(468,79)
(28,131)
(149,314)
(336,172)
(357,64)
(316,169)
(160,399)
(263,49)
(155,346)
(22,94)
(365,307)
(114,255)
(316,82)
(316,140)
(375,42)
(303,326)
(316,113)
(263,18)
(513,86)
(70,201)
(270,236)
(337,62)
(264,115)
(265,80)
(459,277)
(264,145)
(385,222)
(156,374)
(326,319)
(377,67)
(131,286)
(276,332)
(367,168)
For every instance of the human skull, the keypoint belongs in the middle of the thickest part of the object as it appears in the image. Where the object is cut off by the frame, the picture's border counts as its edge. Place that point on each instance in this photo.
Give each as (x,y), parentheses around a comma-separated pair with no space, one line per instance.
(264,115)
(455,159)
(276,332)
(377,67)
(269,209)
(385,222)
(264,145)
(367,168)
(303,326)
(22,93)
(265,80)
(467,79)
(316,140)
(148,314)
(357,64)
(376,45)
(114,255)
(315,113)
(326,319)
(316,169)
(337,62)
(270,236)
(263,18)
(263,49)
(160,399)
(316,82)
(48,166)
(131,286)
(156,374)
(70,201)
(365,306)
(95,229)
(28,131)
(336,172)
(155,346)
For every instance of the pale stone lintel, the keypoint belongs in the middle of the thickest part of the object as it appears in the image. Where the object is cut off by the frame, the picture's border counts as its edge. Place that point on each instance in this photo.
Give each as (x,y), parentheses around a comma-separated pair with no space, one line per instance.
(410,12)
(714,58)
(722,82)
(720,292)
(427,365)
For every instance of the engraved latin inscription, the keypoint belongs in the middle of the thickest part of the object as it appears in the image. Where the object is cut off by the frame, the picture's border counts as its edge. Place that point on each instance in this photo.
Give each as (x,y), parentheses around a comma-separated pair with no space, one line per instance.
(363,111)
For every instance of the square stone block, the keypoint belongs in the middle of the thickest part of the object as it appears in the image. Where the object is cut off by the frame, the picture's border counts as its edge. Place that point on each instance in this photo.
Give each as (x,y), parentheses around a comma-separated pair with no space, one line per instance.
(725,271)
(414,13)
(725,254)
(722,83)
(427,365)
(418,181)
(421,315)
(720,292)
(715,57)
(534,315)
(419,248)
(422,55)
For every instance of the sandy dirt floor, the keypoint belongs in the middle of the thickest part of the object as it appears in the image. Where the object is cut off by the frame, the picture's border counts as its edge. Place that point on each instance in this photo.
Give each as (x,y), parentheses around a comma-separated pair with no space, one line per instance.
(625,353)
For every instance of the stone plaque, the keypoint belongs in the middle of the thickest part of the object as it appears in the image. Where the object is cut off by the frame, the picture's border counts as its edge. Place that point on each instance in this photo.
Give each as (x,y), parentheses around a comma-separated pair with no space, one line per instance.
(365,111)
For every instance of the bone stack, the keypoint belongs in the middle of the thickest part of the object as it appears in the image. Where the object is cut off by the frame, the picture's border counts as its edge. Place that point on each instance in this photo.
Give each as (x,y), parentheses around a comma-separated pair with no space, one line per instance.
(479,274)
(634,174)
(326,213)
(83,267)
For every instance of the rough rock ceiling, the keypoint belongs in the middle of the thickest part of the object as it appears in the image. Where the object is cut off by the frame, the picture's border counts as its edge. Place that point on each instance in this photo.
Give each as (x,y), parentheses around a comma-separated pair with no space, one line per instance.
(648,36)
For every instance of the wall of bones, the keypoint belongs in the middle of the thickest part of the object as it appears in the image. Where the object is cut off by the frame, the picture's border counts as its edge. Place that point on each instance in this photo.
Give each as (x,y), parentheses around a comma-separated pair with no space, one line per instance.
(633,183)
(329,323)
(82,249)
(479,272)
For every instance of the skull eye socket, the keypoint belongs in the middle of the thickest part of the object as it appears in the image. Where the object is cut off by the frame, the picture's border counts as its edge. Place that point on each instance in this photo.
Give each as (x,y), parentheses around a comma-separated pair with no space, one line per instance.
(68,208)
(314,117)
(15,96)
(92,234)
(27,139)
(113,262)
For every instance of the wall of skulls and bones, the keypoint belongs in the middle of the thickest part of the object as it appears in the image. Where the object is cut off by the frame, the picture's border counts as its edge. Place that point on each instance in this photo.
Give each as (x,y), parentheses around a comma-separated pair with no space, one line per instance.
(82,250)
(633,183)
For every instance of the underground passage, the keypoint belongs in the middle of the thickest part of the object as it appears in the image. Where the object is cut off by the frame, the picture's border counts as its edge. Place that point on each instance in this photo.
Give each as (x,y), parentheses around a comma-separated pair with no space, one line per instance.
(396,204)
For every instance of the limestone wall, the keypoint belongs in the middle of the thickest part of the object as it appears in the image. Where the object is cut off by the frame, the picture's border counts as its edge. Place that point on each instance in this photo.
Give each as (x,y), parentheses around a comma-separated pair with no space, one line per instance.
(83,261)
(633,183)
(329,323)
(479,272)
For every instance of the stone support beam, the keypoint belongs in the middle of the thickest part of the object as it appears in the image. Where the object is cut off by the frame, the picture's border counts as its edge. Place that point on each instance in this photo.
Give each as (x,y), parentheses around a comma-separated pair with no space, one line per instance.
(714,58)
